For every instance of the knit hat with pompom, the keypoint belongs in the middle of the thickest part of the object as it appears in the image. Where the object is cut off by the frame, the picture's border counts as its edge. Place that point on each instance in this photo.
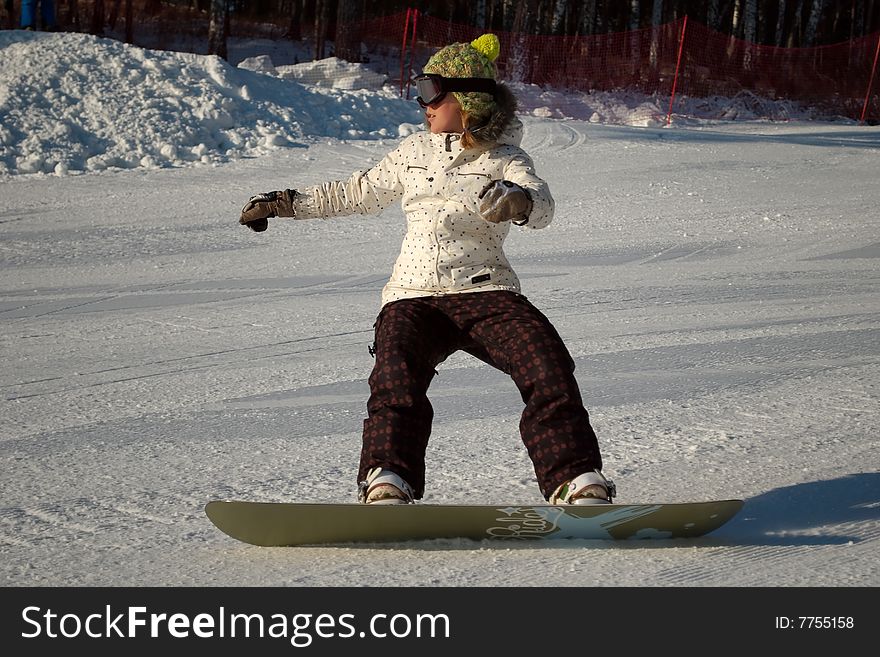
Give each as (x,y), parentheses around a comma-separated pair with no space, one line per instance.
(469,60)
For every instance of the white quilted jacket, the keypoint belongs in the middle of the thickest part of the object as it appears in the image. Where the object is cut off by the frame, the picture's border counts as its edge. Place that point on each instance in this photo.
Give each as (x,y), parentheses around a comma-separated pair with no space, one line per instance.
(448,248)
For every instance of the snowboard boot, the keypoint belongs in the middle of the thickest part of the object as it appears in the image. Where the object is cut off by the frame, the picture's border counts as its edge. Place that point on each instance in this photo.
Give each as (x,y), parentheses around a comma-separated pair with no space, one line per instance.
(384,487)
(587,488)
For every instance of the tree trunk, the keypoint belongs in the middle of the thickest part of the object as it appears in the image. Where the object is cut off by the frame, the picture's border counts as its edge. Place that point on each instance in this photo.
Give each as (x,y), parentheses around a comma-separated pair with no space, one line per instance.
(97,24)
(523,24)
(713,15)
(480,15)
(794,34)
(780,25)
(635,55)
(762,33)
(217,28)
(294,26)
(588,18)
(73,15)
(750,21)
(508,10)
(114,14)
(736,19)
(813,23)
(323,11)
(129,21)
(557,21)
(750,35)
(348,30)
(656,20)
(835,23)
(855,27)
(319,28)
(635,10)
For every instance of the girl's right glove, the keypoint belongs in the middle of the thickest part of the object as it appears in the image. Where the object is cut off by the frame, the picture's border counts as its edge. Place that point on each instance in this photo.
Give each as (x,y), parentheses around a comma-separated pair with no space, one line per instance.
(262,207)
(503,200)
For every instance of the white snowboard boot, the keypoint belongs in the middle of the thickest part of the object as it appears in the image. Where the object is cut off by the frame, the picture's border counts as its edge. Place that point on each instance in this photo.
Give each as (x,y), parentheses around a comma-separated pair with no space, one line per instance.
(587,488)
(384,487)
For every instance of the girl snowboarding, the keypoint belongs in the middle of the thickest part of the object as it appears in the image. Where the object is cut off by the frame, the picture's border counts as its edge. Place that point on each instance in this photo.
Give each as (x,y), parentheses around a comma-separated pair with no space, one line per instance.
(462,183)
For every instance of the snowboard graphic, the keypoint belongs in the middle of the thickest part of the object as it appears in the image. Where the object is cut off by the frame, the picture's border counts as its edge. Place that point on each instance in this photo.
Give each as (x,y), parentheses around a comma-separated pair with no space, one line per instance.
(276,524)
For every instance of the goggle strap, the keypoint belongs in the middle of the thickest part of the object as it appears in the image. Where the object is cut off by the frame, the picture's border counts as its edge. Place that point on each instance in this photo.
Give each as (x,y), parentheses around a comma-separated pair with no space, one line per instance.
(479,85)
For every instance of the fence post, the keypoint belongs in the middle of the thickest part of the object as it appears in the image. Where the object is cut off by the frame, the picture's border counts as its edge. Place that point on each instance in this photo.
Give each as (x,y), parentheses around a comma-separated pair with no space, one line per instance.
(677,66)
(403,50)
(870,82)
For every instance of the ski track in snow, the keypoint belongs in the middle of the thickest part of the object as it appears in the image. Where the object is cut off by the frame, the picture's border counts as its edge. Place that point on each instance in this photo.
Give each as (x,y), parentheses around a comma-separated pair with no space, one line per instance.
(716,287)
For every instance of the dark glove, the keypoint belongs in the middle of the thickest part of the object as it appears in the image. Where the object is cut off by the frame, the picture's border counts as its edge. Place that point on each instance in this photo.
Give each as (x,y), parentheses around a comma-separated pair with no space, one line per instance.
(262,207)
(503,200)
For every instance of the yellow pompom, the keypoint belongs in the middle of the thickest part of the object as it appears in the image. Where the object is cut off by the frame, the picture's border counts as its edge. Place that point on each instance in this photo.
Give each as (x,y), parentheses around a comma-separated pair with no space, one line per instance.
(488,45)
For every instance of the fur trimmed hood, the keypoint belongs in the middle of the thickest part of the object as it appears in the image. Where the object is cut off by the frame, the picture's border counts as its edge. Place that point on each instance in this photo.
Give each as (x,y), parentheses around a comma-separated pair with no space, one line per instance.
(501,124)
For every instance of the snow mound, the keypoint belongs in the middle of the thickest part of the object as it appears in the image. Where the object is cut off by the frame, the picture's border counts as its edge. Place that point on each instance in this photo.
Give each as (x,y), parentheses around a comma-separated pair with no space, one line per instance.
(331,72)
(335,73)
(75,102)
(259,64)
(632,108)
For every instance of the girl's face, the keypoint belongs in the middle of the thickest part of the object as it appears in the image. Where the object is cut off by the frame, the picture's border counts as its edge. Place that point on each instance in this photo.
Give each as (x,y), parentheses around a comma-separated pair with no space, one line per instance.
(444,116)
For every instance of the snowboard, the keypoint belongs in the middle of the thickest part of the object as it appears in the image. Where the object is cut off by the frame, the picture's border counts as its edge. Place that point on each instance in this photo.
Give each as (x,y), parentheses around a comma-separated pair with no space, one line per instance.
(271,524)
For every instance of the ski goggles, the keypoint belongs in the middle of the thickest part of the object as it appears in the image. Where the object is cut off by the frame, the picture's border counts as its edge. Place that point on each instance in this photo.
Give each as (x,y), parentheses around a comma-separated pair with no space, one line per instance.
(433,88)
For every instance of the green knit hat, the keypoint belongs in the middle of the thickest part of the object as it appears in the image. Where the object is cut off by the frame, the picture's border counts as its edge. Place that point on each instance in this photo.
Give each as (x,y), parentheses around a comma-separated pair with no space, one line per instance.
(468,60)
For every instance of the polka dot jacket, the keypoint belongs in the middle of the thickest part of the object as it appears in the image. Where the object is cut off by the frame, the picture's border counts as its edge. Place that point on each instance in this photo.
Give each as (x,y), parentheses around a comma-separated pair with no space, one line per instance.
(448,248)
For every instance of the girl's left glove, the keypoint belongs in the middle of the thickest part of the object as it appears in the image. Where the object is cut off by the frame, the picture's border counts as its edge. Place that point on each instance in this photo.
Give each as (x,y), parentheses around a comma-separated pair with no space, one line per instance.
(502,200)
(261,207)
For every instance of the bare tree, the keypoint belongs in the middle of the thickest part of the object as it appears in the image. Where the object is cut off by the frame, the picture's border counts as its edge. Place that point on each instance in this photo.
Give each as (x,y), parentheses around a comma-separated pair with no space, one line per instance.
(523,24)
(508,14)
(348,30)
(557,22)
(97,23)
(294,29)
(713,14)
(114,14)
(736,19)
(762,32)
(588,17)
(480,15)
(750,21)
(855,22)
(635,10)
(323,13)
(656,19)
(129,21)
(795,32)
(217,28)
(813,22)
(750,33)
(780,24)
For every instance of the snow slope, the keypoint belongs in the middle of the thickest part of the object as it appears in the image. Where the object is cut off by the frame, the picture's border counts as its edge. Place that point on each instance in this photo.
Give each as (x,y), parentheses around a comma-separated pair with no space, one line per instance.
(716,284)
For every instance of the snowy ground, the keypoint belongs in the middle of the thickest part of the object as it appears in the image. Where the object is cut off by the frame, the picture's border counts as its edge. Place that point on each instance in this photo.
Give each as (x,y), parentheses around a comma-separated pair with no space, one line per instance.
(716,283)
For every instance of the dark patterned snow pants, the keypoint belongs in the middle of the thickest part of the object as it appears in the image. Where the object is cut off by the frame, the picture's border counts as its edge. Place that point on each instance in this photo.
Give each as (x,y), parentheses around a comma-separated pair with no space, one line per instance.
(501,328)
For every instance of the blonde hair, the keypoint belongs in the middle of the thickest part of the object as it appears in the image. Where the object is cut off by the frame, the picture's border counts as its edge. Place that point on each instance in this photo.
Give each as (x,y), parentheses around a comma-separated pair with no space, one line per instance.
(468,139)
